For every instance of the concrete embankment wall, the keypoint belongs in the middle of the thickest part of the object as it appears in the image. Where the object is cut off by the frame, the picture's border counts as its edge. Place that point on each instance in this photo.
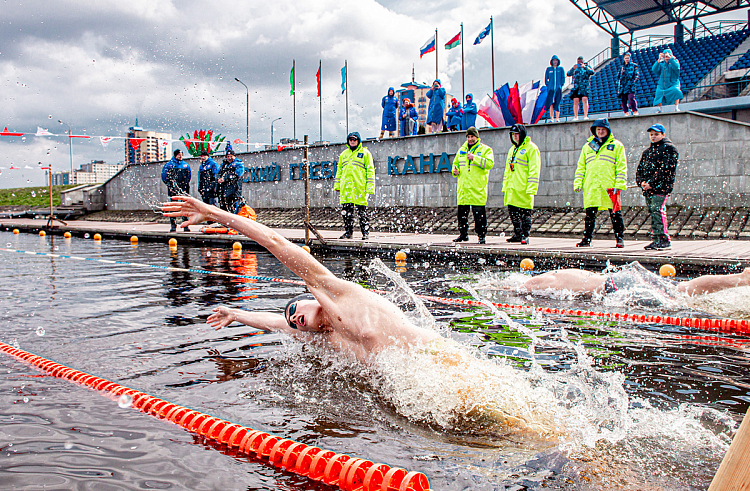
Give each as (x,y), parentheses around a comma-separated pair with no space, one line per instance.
(713,171)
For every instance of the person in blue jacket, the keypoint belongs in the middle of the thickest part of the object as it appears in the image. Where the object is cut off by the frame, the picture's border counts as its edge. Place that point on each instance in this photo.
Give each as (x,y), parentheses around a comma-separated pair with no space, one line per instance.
(176,175)
(408,116)
(469,113)
(436,108)
(626,85)
(229,180)
(554,79)
(454,115)
(668,90)
(207,172)
(390,110)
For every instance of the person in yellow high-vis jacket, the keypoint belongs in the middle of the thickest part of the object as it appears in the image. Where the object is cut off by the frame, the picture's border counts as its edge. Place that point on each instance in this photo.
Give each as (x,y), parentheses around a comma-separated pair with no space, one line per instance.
(521,182)
(601,174)
(472,167)
(355,179)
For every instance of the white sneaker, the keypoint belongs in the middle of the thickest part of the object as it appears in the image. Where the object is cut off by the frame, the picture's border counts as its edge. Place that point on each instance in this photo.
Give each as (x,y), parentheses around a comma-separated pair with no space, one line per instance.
(585,118)
(635,113)
(575,119)
(677,109)
(658,109)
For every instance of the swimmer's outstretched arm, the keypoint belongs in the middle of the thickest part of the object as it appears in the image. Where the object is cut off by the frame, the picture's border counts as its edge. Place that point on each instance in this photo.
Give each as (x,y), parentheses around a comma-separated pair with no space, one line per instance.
(715,283)
(266,321)
(293,257)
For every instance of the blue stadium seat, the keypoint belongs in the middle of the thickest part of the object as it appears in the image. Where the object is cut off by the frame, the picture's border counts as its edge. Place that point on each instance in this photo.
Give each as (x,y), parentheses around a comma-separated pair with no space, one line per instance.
(697,58)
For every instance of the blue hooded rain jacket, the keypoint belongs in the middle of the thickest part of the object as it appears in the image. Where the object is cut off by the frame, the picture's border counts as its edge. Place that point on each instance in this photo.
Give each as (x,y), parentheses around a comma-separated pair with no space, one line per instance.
(390,110)
(469,118)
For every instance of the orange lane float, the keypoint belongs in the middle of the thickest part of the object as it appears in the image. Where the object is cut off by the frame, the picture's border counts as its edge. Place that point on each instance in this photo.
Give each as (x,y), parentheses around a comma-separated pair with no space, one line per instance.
(340,470)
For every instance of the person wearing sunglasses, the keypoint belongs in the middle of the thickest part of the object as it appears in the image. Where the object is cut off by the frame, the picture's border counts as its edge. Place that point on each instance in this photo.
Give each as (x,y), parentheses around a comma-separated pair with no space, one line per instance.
(339,313)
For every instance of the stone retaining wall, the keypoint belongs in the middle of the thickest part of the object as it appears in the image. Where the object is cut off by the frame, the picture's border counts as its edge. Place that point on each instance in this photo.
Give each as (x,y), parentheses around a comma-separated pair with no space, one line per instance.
(713,169)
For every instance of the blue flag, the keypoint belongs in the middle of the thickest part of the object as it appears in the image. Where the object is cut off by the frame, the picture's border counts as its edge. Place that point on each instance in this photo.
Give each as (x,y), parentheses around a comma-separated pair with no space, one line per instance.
(343,79)
(483,34)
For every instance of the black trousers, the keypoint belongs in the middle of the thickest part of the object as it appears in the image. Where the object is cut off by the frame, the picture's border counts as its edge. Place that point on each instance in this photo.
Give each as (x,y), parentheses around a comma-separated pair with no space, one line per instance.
(177,191)
(480,220)
(348,213)
(590,221)
(521,218)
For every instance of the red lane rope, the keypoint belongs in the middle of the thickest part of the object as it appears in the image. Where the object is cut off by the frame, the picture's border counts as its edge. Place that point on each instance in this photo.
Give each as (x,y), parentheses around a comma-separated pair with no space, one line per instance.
(346,472)
(719,325)
(732,326)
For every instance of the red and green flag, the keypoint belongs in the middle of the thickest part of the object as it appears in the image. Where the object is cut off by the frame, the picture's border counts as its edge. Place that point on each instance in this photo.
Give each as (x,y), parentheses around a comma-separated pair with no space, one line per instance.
(454,41)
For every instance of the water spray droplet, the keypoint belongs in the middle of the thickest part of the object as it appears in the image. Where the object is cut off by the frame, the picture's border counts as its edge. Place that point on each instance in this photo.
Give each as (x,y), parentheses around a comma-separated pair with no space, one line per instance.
(40,331)
(85,236)
(68,445)
(125,401)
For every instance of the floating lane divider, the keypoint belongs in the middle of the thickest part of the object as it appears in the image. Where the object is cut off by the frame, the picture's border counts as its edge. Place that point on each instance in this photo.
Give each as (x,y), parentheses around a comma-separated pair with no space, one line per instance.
(731,326)
(348,473)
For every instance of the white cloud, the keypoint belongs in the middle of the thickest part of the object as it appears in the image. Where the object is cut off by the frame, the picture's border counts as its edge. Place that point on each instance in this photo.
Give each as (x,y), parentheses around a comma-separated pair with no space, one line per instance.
(98,65)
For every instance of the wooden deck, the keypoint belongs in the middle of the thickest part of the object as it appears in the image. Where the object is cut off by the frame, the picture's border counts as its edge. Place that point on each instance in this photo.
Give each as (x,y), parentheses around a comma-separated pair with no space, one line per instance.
(702,255)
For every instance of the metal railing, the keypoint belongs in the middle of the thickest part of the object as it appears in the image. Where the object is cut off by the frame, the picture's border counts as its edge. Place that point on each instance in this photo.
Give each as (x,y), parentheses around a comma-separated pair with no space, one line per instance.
(709,29)
(713,91)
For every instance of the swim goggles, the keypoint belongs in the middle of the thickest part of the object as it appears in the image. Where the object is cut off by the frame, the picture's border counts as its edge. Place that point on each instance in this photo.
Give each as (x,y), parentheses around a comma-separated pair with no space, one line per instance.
(290,312)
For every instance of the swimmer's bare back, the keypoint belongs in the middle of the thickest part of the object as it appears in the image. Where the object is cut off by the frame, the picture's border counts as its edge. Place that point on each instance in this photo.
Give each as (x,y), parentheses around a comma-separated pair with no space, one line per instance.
(574,280)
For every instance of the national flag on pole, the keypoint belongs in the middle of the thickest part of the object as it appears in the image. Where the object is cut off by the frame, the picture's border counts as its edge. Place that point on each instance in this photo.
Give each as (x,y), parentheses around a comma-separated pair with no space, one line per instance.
(483,34)
(317,77)
(343,79)
(428,47)
(42,131)
(454,41)
(291,81)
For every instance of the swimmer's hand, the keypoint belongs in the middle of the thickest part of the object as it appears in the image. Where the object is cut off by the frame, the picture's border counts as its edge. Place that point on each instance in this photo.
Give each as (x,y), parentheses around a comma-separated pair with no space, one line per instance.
(195,210)
(222,317)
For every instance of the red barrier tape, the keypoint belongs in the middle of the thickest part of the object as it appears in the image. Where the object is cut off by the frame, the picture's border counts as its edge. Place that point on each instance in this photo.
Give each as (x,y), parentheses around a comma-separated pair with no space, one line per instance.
(348,473)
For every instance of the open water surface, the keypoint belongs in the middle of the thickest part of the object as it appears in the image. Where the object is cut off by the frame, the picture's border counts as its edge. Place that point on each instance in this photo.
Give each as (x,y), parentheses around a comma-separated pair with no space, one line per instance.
(622,406)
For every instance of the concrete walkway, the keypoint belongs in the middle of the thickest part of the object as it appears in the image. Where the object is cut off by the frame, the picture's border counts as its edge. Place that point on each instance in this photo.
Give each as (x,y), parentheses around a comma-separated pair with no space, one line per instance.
(548,252)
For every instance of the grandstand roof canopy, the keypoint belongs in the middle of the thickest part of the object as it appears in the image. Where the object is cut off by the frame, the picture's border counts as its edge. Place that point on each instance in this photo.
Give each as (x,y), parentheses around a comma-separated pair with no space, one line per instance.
(626,16)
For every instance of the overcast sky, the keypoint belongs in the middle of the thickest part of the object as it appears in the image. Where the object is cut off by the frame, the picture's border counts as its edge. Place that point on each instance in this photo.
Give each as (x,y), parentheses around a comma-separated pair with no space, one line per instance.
(97,65)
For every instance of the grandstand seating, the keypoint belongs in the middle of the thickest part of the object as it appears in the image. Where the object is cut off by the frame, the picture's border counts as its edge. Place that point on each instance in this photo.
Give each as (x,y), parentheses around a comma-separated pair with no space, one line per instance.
(743,62)
(697,58)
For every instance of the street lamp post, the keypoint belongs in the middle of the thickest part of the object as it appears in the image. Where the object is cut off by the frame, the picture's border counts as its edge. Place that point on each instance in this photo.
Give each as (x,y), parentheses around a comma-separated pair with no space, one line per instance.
(70,146)
(272,122)
(247,115)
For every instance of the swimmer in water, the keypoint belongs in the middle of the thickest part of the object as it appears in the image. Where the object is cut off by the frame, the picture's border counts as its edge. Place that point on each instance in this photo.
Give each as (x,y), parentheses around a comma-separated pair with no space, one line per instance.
(586,282)
(343,315)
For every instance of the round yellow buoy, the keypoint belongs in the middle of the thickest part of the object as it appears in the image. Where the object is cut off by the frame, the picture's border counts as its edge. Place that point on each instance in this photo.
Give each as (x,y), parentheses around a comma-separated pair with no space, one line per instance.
(133,239)
(237,246)
(527,264)
(42,233)
(97,237)
(306,248)
(16,231)
(400,256)
(667,270)
(172,242)
(67,235)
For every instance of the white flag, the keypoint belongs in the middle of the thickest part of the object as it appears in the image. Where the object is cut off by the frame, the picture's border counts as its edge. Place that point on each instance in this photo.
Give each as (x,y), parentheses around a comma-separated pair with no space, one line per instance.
(105,140)
(42,132)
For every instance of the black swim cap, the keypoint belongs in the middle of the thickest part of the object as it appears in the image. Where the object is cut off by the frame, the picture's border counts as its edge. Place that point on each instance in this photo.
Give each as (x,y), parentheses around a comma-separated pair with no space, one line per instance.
(304,296)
